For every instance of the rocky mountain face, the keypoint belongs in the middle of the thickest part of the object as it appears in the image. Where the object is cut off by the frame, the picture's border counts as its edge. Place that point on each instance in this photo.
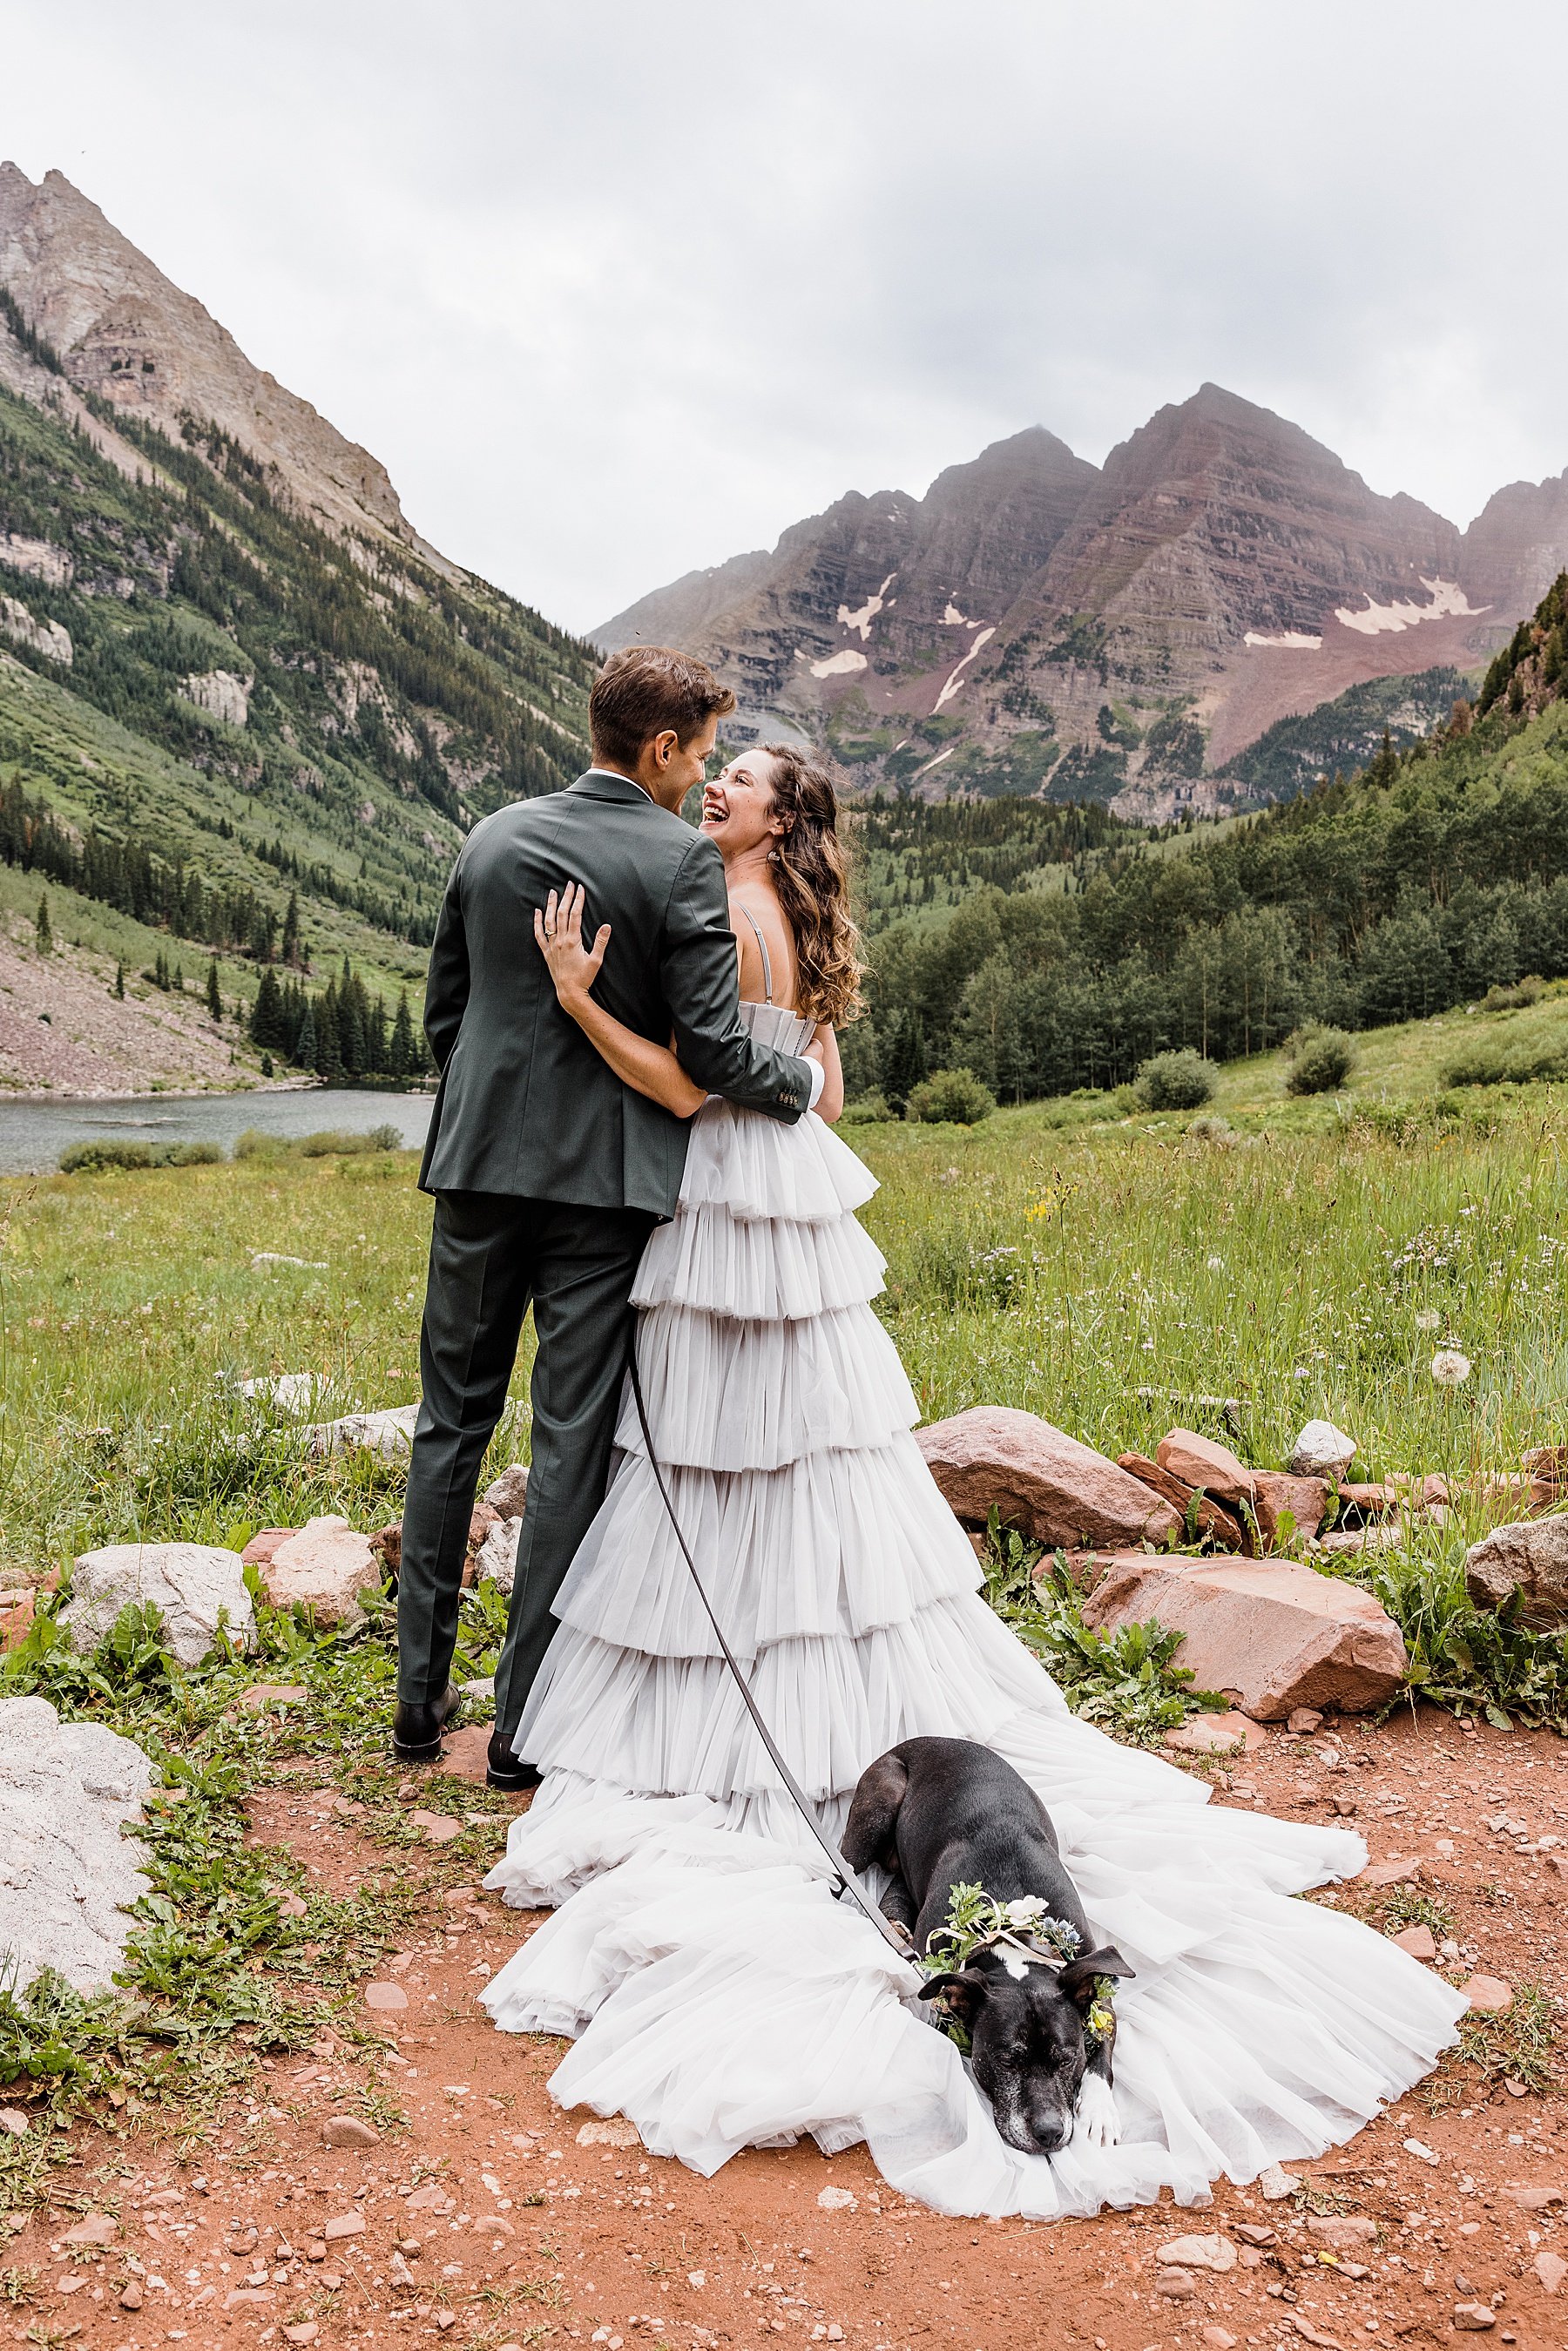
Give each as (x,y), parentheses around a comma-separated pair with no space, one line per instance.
(231,673)
(1120,633)
(152,353)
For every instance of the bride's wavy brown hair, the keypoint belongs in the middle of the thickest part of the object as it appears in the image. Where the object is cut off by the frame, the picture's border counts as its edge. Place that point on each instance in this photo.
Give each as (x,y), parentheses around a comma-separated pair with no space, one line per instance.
(810,874)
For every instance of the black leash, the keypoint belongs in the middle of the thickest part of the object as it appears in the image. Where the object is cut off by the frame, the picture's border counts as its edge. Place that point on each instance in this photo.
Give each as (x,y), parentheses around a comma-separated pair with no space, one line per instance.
(847,1881)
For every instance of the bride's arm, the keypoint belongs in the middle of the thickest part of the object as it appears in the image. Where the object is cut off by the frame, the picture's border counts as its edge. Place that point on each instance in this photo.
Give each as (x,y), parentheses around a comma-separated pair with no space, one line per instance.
(649,1069)
(824,1048)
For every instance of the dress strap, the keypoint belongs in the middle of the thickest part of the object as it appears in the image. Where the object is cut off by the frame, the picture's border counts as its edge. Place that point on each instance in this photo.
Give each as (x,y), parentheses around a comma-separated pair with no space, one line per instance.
(767,963)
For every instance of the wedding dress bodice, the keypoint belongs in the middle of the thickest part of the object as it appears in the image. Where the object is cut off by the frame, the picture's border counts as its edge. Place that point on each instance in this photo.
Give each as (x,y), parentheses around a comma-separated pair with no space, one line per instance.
(777,1025)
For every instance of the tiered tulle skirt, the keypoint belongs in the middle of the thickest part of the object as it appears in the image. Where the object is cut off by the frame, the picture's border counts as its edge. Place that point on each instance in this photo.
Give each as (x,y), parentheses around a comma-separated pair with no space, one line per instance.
(719,1995)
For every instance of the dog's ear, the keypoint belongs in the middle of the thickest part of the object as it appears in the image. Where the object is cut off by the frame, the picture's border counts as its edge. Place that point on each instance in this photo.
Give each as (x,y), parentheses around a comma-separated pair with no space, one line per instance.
(1077,1978)
(964,1993)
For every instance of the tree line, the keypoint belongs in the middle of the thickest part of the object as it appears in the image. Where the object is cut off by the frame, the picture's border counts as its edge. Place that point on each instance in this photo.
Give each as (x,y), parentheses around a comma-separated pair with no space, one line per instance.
(343,1032)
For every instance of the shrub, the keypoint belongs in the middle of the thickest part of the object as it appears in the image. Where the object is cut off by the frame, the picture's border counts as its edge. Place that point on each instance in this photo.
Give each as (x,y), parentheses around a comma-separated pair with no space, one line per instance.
(97,1158)
(103,1158)
(1175,1082)
(256,1144)
(1213,1129)
(1514,1000)
(953,1097)
(1321,1058)
(1489,1064)
(867,1110)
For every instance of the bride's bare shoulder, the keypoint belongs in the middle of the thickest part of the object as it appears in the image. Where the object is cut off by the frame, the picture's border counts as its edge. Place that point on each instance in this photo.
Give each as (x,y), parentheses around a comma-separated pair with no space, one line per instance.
(754,908)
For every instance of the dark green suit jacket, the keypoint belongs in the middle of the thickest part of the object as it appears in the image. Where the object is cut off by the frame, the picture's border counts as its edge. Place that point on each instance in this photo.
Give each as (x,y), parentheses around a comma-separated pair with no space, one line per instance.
(526,1105)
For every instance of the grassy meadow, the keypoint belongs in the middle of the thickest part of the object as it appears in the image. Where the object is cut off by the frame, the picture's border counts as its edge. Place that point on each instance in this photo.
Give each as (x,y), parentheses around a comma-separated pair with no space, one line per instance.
(1241,1273)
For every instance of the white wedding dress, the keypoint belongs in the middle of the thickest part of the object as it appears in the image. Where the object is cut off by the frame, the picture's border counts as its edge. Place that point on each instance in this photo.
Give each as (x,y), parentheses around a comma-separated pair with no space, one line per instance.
(717,1992)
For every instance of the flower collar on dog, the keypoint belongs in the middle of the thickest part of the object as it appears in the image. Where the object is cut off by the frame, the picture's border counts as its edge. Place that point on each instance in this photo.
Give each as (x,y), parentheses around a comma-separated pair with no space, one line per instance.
(1025,1937)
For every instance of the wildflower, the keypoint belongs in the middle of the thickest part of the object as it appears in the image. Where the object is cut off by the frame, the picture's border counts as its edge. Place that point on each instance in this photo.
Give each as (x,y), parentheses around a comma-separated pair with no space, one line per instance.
(1428,1318)
(1025,1911)
(1216,1265)
(1450,1368)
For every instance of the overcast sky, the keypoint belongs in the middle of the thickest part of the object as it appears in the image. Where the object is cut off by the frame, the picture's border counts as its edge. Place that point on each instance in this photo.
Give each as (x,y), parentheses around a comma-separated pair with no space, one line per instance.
(615,289)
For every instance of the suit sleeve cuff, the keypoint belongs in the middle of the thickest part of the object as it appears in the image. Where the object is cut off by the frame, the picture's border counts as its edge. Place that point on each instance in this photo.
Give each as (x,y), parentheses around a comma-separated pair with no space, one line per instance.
(818,1079)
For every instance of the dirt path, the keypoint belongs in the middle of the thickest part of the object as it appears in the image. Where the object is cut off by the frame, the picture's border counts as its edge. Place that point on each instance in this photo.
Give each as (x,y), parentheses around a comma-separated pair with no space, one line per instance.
(513,2230)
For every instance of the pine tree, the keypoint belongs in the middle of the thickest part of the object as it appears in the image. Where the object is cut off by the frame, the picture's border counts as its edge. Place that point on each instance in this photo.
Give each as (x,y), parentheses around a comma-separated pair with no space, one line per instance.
(119,981)
(901,1057)
(179,979)
(402,1055)
(291,955)
(215,1000)
(305,1043)
(266,1026)
(46,934)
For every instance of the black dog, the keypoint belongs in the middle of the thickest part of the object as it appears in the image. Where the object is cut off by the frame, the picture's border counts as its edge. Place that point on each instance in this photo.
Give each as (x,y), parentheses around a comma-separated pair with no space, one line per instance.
(940,1812)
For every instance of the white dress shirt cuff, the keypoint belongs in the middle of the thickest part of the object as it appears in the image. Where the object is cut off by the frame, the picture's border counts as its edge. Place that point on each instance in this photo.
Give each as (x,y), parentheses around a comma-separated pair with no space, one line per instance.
(818,1079)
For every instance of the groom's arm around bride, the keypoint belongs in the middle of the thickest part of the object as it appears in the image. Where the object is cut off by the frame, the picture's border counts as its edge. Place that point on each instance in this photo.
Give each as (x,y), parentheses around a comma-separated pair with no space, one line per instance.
(549,1173)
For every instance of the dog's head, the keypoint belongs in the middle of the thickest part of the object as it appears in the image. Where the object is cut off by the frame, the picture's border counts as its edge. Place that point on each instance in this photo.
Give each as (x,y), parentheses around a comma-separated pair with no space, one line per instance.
(1029,2043)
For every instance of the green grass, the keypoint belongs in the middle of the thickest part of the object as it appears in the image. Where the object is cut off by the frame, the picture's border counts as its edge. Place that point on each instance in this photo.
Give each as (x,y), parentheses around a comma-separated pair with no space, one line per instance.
(1115,1275)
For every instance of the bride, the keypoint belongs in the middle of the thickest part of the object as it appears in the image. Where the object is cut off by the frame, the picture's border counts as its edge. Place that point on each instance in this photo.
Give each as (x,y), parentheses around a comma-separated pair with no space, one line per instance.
(717,1993)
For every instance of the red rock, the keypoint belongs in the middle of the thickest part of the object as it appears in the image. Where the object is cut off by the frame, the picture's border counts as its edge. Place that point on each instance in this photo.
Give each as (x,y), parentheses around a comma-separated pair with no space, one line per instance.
(1214,1734)
(1202,1461)
(1490,1994)
(1212,1519)
(1055,1489)
(1305,1720)
(324,1566)
(1276,1497)
(345,2224)
(1538,2199)
(387,1545)
(16,1619)
(1276,1632)
(507,1494)
(1551,2268)
(439,1828)
(1342,2232)
(1370,1501)
(1529,1558)
(1547,1463)
(347,2130)
(1390,1872)
(1417,1941)
(387,1996)
(1474,2318)
(262,1545)
(98,2228)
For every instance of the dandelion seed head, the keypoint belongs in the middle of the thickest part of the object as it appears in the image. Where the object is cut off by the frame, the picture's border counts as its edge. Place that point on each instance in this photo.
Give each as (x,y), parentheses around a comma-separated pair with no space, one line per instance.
(1450,1369)
(1427,1319)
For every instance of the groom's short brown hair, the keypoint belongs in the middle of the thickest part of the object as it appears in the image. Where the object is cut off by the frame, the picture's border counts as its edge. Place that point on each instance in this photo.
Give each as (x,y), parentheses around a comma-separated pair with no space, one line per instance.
(642,691)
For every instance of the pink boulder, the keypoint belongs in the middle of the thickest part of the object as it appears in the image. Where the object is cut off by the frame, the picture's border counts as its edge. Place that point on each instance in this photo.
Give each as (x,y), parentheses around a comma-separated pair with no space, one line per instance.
(1038,1479)
(1202,1461)
(1278,1635)
(1268,1495)
(324,1567)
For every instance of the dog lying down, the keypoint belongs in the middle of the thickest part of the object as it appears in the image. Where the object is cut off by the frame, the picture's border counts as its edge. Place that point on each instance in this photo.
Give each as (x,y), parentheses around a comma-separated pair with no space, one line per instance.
(941,1813)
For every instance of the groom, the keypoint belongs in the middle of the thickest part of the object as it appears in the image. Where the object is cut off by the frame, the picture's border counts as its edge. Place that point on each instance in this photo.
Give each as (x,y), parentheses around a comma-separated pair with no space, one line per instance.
(549,1173)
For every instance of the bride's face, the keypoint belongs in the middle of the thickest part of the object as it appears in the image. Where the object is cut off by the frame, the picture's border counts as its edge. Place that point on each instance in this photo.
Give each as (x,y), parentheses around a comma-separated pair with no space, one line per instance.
(738,806)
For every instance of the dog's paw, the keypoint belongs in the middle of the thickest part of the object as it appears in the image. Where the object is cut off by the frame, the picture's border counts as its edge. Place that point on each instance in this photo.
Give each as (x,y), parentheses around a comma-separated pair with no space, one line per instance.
(1097,2124)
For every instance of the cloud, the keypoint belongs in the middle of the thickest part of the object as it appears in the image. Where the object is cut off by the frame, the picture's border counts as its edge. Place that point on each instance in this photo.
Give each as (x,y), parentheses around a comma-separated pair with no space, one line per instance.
(618,291)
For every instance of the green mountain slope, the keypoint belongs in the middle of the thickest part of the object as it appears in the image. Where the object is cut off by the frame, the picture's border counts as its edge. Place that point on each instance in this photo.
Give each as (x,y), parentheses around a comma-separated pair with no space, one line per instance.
(209,706)
(1437,873)
(1341,736)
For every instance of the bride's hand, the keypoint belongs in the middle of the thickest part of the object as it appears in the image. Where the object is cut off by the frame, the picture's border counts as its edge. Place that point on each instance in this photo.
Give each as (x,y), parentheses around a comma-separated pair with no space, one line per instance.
(574,967)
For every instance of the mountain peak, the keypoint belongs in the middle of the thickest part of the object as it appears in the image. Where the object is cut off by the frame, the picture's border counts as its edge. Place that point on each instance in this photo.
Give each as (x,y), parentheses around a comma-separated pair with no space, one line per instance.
(128,335)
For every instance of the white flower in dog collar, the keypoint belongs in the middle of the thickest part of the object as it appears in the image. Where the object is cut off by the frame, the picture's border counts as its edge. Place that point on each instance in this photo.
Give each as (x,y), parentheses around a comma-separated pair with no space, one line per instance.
(1022,1932)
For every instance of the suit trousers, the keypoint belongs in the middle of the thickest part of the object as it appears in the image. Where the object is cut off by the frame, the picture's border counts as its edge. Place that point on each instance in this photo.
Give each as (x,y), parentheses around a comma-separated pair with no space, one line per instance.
(491,1256)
